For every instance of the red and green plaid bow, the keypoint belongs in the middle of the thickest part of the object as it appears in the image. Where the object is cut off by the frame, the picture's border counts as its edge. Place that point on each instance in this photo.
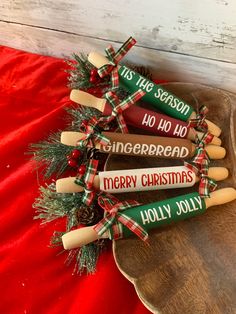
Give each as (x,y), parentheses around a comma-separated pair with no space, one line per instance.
(206,184)
(87,182)
(201,157)
(200,163)
(93,134)
(114,58)
(114,219)
(199,122)
(118,108)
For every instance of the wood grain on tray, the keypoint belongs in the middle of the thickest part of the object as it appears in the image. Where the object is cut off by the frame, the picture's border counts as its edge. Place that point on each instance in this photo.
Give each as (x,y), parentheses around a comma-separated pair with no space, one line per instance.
(189,267)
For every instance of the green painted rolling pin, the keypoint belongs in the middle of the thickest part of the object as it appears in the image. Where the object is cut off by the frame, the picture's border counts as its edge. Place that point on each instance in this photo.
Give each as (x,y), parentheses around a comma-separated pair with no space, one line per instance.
(156,95)
(145,217)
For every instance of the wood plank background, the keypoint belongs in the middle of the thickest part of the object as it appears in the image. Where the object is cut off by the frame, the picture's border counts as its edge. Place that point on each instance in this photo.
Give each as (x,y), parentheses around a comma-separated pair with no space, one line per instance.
(179,40)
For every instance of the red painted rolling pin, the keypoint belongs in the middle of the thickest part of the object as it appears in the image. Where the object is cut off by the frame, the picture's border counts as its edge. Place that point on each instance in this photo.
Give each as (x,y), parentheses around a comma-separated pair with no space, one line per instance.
(155,95)
(145,145)
(139,117)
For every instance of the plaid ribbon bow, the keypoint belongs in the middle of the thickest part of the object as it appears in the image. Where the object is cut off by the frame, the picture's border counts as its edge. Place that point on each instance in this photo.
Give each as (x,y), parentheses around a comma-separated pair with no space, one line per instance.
(206,184)
(87,182)
(114,58)
(199,122)
(93,134)
(114,219)
(200,165)
(201,157)
(118,108)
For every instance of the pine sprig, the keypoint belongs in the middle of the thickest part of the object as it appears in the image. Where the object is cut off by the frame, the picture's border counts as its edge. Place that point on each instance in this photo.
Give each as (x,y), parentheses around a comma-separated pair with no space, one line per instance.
(80,113)
(86,257)
(51,205)
(79,72)
(79,77)
(51,154)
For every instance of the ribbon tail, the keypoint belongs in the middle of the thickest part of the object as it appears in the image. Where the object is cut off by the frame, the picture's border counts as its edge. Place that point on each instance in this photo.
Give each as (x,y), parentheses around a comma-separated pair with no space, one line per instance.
(133,226)
(191,167)
(104,225)
(206,186)
(114,79)
(122,51)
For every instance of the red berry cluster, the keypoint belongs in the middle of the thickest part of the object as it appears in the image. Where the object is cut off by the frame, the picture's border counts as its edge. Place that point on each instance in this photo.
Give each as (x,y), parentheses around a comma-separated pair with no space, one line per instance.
(94,77)
(73,161)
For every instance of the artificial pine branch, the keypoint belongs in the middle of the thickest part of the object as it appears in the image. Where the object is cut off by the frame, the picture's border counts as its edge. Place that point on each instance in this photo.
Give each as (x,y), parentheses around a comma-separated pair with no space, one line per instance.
(86,257)
(56,239)
(51,205)
(80,73)
(76,115)
(51,154)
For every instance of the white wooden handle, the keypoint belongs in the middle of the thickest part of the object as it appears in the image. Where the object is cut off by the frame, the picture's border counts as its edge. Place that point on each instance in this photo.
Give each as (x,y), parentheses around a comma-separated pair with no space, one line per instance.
(97,59)
(221,197)
(213,128)
(79,237)
(215,152)
(68,185)
(87,99)
(71,138)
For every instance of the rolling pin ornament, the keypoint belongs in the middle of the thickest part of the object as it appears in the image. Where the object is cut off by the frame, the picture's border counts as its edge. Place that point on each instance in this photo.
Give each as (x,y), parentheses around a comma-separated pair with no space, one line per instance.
(145,119)
(146,179)
(155,95)
(122,219)
(145,145)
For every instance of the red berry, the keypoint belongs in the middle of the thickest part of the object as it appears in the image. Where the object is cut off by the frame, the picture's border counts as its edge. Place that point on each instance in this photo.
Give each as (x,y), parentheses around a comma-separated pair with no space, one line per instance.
(94,72)
(68,157)
(75,153)
(82,169)
(72,163)
(89,186)
(93,79)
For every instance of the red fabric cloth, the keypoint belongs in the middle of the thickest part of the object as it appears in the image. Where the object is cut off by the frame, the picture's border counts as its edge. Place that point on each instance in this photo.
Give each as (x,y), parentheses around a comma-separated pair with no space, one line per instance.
(33,278)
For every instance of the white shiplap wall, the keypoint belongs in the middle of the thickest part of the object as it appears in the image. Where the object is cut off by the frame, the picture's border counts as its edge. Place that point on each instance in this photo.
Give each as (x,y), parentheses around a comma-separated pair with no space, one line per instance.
(190,41)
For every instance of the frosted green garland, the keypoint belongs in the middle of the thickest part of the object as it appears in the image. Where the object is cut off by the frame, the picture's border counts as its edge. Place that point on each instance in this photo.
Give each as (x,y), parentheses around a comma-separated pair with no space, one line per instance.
(51,205)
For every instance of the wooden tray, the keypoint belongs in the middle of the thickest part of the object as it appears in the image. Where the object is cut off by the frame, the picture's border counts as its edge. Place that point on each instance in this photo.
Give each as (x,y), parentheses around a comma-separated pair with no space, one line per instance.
(190,266)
